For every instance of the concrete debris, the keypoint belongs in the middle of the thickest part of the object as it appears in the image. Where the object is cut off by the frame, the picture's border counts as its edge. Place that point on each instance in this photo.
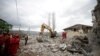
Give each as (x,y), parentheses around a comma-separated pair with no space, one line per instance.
(62,47)
(53,47)
(80,45)
(94,36)
(39,39)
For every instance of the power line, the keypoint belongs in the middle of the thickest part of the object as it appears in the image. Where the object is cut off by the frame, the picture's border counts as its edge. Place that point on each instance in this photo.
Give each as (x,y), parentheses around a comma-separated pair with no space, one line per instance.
(17,13)
(17,10)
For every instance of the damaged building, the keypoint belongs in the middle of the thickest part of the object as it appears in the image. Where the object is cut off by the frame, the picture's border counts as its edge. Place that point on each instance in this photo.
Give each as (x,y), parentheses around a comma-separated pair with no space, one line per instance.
(78,29)
(94,36)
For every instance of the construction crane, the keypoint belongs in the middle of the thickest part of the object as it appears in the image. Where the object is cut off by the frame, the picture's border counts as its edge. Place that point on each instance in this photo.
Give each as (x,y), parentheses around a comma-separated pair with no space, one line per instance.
(44,26)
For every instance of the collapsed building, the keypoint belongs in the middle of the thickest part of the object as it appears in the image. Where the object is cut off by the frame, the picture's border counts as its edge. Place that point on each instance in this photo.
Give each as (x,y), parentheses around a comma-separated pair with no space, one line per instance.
(94,36)
(78,29)
(51,47)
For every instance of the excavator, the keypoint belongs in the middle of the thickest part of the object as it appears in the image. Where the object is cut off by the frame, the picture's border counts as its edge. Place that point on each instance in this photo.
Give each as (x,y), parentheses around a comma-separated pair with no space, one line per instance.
(44,26)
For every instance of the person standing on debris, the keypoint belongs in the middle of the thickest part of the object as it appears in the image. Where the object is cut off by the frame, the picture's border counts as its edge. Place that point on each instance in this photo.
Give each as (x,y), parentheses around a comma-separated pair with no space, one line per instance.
(26,39)
(64,35)
(14,45)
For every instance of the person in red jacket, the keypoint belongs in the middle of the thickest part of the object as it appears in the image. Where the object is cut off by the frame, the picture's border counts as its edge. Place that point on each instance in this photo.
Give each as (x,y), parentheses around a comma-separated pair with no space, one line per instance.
(1,43)
(64,35)
(14,45)
(6,44)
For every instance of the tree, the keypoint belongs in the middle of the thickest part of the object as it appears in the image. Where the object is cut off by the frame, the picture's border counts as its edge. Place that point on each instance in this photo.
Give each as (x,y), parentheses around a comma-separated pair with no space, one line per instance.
(4,25)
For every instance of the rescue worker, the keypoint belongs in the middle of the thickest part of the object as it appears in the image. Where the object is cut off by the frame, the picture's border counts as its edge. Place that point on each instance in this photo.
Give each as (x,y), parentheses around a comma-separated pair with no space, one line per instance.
(64,35)
(14,45)
(6,44)
(26,39)
(1,43)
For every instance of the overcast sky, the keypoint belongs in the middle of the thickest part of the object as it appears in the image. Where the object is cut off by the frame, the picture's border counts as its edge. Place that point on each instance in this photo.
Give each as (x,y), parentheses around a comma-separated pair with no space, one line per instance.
(35,12)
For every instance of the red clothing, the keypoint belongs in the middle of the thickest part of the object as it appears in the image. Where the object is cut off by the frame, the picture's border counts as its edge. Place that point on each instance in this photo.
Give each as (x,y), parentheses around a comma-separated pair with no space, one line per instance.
(7,45)
(14,45)
(64,35)
(1,39)
(7,41)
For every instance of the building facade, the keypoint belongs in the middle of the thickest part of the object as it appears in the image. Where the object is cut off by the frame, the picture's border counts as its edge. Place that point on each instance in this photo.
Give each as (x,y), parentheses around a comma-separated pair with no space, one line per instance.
(77,30)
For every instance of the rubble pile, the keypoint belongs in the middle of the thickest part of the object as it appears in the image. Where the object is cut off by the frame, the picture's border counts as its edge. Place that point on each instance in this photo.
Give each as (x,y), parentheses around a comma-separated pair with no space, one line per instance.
(94,36)
(48,47)
(80,45)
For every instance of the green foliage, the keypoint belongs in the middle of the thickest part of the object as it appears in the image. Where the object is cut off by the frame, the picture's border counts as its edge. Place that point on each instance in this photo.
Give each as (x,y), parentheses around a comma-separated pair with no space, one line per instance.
(4,25)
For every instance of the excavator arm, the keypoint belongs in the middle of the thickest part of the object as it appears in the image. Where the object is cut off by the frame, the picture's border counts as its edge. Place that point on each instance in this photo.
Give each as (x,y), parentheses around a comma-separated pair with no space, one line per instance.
(43,27)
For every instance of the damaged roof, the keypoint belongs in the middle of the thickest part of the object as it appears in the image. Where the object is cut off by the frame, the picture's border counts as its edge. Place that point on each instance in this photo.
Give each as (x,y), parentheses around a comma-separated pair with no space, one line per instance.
(78,26)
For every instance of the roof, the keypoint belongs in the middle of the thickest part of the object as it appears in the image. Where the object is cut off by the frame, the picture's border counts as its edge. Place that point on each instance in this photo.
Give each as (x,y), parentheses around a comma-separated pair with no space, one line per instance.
(78,26)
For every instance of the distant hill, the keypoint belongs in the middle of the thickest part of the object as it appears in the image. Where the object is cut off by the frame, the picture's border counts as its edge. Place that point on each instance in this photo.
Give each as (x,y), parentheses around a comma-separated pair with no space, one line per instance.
(33,33)
(25,32)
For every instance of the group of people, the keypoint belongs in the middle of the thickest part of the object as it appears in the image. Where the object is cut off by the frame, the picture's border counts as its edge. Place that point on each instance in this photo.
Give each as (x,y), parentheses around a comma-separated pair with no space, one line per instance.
(9,44)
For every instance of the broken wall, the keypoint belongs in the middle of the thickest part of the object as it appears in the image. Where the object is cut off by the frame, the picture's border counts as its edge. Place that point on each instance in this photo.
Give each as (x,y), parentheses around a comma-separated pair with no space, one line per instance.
(94,38)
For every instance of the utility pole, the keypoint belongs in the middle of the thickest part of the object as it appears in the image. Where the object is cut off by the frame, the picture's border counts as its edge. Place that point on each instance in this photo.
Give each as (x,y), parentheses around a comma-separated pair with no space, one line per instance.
(17,14)
(49,16)
(19,27)
(53,21)
(29,30)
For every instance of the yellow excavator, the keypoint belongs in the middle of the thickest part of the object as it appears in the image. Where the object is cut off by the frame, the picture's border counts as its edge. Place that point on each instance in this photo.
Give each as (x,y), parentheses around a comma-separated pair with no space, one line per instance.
(52,33)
